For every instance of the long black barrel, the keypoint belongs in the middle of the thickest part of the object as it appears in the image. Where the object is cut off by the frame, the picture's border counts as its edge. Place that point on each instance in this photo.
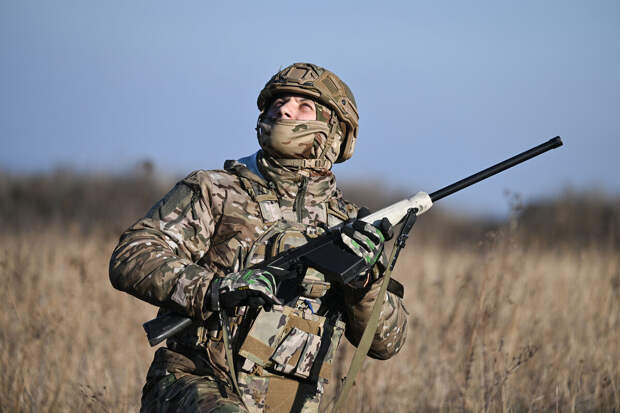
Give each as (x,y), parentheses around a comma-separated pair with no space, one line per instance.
(495,169)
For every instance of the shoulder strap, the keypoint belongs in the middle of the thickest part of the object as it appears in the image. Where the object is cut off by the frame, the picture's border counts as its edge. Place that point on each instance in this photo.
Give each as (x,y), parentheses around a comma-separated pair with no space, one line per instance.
(264,196)
(339,208)
(229,354)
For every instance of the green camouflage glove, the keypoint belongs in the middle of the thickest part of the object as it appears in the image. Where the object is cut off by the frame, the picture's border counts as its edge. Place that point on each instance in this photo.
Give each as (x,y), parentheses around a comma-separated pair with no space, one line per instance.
(367,241)
(253,287)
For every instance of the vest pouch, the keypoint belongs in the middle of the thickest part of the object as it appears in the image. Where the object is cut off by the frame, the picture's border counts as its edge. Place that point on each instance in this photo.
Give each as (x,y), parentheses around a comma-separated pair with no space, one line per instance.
(313,284)
(277,394)
(286,239)
(288,341)
(296,353)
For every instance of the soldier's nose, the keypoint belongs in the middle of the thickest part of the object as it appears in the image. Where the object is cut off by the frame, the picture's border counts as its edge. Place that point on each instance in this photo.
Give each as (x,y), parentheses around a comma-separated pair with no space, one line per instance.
(286,111)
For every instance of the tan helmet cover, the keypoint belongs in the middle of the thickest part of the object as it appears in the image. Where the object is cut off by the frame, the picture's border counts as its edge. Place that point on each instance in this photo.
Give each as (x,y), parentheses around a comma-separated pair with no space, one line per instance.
(325,87)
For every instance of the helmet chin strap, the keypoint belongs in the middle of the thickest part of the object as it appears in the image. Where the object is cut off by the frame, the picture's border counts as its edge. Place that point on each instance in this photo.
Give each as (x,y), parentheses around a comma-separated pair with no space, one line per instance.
(306,163)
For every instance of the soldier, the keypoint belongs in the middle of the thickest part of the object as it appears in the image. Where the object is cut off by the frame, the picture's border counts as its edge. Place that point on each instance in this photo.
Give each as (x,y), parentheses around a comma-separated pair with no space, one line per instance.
(188,255)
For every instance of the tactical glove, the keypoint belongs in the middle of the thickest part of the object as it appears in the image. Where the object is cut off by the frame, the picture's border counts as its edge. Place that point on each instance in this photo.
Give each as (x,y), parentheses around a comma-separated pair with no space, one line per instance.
(252,288)
(367,241)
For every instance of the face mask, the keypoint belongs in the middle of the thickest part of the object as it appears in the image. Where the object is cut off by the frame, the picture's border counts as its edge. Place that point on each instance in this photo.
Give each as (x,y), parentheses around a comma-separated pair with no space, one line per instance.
(292,139)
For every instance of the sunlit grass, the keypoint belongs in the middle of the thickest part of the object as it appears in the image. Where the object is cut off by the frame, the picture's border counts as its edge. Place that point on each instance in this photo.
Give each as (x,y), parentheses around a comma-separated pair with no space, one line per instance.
(493,327)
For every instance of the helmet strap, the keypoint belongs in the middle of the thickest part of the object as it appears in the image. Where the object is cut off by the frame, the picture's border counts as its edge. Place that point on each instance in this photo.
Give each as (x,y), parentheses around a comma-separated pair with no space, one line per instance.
(306,163)
(331,137)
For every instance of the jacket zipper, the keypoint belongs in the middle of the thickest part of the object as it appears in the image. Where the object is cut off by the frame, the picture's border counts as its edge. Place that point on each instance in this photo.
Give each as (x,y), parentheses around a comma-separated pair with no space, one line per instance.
(300,198)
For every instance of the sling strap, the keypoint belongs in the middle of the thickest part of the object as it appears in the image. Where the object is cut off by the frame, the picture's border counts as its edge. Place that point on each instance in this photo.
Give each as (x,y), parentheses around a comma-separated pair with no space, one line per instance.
(229,354)
(373,322)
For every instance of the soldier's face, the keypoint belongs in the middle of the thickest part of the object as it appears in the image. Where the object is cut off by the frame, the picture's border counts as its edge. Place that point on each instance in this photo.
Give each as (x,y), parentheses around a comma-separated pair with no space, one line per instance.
(292,107)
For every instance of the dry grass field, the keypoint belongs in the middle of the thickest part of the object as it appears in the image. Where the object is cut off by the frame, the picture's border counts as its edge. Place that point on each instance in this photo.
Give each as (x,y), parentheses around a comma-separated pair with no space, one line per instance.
(506,322)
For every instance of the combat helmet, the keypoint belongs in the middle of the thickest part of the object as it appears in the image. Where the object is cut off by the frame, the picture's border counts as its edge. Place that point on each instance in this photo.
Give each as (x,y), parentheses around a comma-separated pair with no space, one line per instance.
(322,85)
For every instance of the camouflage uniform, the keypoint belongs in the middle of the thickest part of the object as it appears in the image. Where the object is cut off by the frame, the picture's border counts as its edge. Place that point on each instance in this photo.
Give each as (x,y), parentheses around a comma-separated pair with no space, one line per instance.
(216,222)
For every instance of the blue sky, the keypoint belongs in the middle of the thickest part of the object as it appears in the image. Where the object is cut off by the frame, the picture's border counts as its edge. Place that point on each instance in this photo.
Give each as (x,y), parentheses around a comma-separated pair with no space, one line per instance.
(444,88)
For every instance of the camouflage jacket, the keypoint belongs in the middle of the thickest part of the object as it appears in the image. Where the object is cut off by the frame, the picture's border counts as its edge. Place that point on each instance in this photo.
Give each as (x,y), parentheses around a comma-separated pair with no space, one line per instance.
(219,221)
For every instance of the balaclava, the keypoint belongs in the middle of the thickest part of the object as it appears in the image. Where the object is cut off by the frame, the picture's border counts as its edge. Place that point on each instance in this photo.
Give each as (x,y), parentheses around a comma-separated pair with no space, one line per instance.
(312,145)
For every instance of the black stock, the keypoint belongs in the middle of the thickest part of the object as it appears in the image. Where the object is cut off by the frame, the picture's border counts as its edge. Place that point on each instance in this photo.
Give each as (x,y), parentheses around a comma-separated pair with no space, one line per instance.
(162,327)
(327,254)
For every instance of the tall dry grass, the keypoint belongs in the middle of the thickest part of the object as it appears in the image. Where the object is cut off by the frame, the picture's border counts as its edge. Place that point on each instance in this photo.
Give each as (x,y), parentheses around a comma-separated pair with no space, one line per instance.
(68,341)
(500,324)
(509,329)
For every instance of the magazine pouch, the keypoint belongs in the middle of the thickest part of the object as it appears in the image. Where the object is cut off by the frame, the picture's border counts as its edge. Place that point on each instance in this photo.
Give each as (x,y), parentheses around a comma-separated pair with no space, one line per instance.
(288,341)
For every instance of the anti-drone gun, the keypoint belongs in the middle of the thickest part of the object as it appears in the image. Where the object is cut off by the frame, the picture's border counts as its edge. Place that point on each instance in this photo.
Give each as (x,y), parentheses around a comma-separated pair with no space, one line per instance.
(326,254)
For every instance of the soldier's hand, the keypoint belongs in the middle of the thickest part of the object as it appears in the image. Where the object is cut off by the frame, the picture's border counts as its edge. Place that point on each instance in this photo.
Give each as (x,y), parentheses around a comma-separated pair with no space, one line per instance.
(253,287)
(366,241)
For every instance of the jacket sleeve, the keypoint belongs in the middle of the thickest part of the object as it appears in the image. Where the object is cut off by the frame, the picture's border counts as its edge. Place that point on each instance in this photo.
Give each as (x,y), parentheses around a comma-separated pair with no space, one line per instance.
(392,328)
(155,259)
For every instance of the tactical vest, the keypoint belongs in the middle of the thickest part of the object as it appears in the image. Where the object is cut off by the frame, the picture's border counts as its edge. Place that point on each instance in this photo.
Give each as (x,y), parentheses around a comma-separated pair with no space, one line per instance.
(284,356)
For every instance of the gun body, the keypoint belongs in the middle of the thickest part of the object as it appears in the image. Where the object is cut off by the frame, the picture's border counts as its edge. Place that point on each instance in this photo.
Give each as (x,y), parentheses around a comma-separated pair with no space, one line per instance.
(326,254)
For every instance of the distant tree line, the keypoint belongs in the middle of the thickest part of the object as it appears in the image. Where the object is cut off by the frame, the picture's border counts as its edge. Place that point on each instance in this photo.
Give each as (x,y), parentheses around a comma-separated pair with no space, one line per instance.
(108,203)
